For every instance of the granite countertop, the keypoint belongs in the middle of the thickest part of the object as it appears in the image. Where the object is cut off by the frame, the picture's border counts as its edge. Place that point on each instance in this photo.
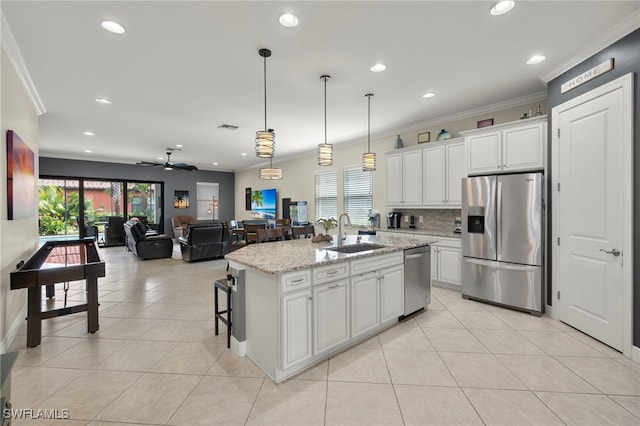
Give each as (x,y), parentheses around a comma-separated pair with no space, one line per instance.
(447,234)
(283,256)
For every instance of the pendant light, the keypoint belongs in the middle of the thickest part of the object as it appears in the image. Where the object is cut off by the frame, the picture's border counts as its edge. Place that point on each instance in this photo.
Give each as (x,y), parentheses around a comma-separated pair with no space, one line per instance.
(369,158)
(325,150)
(265,139)
(270,173)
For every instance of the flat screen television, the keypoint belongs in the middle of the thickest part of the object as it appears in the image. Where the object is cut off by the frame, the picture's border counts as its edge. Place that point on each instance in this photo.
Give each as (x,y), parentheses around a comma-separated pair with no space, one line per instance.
(263,204)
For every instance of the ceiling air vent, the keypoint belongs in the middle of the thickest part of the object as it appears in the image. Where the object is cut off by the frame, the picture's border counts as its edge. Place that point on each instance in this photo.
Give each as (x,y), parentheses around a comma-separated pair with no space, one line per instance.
(228,127)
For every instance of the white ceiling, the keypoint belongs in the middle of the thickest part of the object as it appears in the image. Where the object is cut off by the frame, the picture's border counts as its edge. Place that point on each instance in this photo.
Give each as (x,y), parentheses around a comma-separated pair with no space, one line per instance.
(184,68)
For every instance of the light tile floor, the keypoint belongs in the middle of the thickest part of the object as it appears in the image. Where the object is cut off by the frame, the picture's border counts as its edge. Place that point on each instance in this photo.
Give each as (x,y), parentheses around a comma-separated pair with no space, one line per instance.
(156,360)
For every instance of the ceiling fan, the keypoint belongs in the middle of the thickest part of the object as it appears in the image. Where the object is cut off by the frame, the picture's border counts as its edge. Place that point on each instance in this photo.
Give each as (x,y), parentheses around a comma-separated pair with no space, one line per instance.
(169,165)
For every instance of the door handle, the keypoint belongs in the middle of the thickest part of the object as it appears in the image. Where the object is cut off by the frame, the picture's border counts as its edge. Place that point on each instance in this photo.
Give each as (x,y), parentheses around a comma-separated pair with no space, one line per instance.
(614,252)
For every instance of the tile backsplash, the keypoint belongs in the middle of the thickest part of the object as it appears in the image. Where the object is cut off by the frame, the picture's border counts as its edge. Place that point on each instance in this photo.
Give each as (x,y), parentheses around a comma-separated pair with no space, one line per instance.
(437,220)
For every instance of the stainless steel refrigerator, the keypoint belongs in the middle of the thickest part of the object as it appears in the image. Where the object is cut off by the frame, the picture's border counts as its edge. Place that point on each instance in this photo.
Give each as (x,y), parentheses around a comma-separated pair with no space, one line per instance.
(502,240)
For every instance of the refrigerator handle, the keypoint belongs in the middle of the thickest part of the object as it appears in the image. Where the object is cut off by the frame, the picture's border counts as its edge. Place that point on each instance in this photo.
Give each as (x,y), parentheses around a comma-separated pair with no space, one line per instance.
(499,221)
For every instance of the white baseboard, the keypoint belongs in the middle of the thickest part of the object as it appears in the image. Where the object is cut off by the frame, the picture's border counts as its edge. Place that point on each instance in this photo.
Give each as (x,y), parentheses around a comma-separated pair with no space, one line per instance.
(238,348)
(548,310)
(5,344)
(635,354)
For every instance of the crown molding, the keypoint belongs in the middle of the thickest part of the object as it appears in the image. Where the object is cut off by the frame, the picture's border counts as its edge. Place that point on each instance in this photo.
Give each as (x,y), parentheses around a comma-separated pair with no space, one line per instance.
(615,33)
(9,45)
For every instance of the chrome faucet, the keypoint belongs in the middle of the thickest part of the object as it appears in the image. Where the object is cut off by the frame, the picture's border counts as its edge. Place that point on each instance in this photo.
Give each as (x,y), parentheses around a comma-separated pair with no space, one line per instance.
(340,236)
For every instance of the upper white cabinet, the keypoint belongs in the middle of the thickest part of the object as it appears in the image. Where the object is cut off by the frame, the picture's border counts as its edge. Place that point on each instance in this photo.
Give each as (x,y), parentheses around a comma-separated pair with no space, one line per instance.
(443,168)
(404,178)
(426,176)
(506,148)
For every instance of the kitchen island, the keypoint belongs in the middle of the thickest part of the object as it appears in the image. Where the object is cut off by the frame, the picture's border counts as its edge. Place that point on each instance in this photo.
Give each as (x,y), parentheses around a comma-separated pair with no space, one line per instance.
(304,301)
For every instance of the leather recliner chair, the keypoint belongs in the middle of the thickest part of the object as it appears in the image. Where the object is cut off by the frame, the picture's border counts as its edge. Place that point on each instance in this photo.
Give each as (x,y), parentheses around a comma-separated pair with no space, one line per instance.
(204,241)
(147,246)
(180,225)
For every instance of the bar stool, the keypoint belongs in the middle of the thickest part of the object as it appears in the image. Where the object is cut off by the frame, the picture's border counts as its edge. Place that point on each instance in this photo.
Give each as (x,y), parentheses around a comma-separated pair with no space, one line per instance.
(224,285)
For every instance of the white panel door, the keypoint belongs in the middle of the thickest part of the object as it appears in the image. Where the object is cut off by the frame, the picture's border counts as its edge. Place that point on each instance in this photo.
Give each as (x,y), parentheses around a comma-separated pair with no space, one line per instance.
(484,153)
(296,327)
(394,179)
(522,148)
(449,266)
(331,315)
(434,176)
(392,292)
(412,178)
(590,206)
(456,170)
(364,303)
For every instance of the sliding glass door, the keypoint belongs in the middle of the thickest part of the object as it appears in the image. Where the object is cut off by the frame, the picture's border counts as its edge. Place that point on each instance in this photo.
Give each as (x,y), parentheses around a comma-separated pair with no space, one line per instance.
(79,208)
(58,209)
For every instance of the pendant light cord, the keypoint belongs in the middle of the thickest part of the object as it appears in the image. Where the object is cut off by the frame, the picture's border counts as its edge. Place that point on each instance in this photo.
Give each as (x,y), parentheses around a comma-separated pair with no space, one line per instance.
(325,107)
(369,95)
(265,93)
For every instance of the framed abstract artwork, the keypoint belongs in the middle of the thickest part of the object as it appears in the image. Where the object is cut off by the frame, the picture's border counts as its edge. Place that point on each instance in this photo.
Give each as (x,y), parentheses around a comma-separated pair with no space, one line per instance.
(21,180)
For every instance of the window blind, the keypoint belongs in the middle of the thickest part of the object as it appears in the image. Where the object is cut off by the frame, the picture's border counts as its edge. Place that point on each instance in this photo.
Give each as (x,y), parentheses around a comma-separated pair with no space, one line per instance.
(326,195)
(358,195)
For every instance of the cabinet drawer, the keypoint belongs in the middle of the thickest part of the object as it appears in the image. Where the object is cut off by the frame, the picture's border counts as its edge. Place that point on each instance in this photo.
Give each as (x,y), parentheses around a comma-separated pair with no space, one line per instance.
(296,280)
(333,272)
(375,263)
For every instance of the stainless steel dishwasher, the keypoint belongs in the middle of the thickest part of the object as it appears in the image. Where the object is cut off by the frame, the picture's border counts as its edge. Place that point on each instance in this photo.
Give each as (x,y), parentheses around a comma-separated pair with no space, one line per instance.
(417,279)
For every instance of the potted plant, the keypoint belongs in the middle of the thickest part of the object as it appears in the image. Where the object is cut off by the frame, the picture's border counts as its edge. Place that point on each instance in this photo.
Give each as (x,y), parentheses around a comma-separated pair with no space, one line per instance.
(327,224)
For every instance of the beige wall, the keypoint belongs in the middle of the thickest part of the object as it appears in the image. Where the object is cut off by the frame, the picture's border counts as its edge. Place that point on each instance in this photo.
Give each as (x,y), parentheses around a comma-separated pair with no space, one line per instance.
(298,174)
(19,237)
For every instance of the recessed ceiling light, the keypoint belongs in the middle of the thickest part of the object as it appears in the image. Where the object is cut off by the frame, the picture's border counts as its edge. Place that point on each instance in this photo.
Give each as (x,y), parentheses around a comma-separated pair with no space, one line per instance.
(178,145)
(378,68)
(160,158)
(289,20)
(112,27)
(103,101)
(244,154)
(215,164)
(88,133)
(502,7)
(536,59)
(429,95)
(88,151)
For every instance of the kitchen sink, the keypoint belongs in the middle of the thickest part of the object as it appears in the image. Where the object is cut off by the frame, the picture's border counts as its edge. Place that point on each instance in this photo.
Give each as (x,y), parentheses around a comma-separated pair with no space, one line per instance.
(356,248)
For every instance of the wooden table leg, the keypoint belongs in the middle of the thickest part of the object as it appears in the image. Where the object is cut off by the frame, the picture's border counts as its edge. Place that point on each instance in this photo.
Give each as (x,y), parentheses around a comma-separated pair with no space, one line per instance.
(34,320)
(92,305)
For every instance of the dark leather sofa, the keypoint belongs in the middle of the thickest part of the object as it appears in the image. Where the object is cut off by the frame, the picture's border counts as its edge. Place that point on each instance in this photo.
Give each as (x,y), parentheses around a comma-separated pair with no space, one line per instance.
(204,241)
(147,246)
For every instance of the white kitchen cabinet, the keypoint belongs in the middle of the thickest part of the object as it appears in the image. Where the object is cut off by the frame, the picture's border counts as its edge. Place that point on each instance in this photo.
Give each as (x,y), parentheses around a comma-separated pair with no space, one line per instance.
(394,179)
(377,294)
(365,302)
(446,261)
(391,293)
(506,148)
(296,327)
(404,178)
(443,169)
(330,315)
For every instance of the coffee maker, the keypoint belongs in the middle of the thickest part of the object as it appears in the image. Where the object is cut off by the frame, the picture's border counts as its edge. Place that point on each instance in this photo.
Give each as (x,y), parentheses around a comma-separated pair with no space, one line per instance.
(393,220)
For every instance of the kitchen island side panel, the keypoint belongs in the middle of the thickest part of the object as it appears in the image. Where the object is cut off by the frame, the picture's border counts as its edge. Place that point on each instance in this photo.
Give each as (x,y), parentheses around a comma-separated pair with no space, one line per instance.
(262,315)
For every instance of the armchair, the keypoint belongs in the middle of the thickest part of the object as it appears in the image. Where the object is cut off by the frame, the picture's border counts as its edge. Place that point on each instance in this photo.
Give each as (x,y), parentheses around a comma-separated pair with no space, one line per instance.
(180,225)
(204,241)
(147,246)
